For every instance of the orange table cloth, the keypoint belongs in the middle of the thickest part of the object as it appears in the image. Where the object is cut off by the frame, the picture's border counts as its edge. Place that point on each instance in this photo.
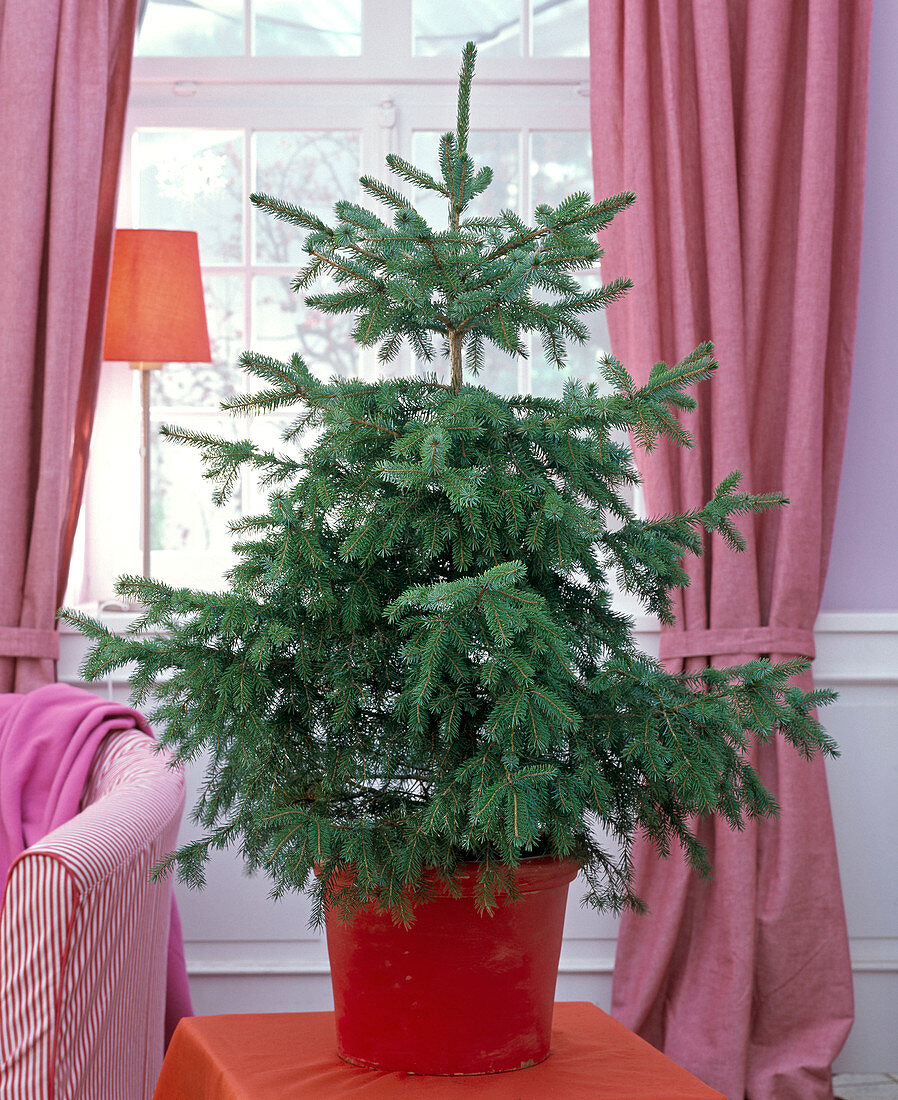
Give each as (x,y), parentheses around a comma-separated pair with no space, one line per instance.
(287,1055)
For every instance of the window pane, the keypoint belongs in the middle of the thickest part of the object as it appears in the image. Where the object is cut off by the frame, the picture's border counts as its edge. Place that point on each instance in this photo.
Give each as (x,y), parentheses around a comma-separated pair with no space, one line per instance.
(546,380)
(560,164)
(307,29)
(200,28)
(559,28)
(497,148)
(192,179)
(183,515)
(283,325)
(442,29)
(206,384)
(310,168)
(500,372)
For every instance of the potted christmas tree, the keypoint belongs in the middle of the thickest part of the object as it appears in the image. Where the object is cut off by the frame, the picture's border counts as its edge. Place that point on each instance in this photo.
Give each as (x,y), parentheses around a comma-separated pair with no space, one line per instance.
(415,696)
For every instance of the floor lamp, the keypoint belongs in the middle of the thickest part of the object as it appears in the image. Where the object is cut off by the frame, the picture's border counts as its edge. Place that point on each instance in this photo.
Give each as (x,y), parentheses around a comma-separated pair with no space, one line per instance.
(155,314)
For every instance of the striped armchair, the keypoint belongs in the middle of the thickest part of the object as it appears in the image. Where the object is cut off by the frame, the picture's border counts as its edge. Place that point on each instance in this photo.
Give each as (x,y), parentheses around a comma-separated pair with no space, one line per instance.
(84,937)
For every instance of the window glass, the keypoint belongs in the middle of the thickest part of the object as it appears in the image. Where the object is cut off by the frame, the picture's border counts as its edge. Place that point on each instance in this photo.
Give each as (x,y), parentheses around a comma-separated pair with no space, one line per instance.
(283,325)
(442,29)
(312,169)
(307,28)
(193,179)
(200,28)
(183,516)
(497,148)
(559,28)
(502,373)
(546,380)
(333,28)
(560,164)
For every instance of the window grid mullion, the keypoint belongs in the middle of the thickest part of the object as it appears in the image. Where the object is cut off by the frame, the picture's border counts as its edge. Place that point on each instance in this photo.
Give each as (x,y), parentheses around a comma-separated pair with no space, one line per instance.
(246,488)
(526,32)
(524,190)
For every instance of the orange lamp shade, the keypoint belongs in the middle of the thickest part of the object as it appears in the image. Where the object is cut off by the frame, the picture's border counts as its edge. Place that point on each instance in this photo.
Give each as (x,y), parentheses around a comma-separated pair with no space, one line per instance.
(156,310)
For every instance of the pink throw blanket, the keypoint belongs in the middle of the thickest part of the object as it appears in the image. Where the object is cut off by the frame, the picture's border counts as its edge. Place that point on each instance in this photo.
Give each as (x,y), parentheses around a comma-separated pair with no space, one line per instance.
(48,740)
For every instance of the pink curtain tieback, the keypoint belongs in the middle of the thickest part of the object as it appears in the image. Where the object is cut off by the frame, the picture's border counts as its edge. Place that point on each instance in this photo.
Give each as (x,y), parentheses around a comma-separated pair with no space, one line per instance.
(738,640)
(24,641)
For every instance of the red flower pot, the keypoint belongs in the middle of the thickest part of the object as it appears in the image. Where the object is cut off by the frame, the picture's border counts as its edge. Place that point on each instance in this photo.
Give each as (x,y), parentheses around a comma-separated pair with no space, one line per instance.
(458,992)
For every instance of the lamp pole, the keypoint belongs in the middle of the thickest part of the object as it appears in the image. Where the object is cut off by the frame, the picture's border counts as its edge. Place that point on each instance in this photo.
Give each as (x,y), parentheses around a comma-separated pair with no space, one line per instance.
(145,521)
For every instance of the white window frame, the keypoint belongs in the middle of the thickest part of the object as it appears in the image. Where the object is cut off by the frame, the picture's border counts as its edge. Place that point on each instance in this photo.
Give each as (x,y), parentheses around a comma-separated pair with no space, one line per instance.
(386,94)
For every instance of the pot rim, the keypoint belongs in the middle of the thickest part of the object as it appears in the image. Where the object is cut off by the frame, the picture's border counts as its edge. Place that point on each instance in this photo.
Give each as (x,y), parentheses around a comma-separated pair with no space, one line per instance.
(532,875)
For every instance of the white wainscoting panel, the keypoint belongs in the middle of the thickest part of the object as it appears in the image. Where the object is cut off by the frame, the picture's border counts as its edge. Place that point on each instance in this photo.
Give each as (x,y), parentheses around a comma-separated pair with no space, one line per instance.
(246,953)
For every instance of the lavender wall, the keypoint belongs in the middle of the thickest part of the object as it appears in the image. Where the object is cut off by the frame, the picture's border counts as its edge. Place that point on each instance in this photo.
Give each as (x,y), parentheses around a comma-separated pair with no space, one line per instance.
(863,569)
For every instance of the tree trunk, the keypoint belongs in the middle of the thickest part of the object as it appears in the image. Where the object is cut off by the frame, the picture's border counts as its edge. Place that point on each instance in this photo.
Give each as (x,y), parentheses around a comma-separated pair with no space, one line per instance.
(455,341)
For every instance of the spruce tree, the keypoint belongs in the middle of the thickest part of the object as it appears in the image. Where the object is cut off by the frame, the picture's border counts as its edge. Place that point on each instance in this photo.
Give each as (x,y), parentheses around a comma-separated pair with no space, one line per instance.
(416,661)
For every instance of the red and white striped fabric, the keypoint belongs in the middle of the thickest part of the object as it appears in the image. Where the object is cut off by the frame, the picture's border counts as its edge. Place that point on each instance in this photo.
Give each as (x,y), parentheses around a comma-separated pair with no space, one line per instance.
(84,938)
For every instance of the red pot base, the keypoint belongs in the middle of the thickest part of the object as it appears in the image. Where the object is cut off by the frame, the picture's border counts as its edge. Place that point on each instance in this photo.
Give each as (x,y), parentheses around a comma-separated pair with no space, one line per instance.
(459,993)
(468,1073)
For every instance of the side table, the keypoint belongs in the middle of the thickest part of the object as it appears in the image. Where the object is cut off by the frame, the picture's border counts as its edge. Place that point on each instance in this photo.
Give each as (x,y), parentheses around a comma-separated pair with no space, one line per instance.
(287,1056)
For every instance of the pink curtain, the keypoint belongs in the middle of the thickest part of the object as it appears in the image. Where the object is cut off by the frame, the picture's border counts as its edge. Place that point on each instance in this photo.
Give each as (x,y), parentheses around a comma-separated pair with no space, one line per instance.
(741,126)
(64,74)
